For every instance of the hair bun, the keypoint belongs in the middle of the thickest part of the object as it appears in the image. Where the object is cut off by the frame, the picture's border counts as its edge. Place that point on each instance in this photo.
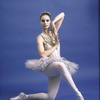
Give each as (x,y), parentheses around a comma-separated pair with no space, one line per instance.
(45,13)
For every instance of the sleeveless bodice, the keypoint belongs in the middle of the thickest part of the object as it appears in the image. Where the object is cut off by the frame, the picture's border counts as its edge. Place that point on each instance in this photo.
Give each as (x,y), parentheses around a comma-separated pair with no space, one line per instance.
(49,42)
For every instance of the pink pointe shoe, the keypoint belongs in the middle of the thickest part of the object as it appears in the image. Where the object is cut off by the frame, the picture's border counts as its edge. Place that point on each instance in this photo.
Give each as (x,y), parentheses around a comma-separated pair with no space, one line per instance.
(21,96)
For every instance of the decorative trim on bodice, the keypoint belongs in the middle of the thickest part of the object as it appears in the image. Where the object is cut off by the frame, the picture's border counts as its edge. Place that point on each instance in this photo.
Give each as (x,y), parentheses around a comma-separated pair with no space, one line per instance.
(49,39)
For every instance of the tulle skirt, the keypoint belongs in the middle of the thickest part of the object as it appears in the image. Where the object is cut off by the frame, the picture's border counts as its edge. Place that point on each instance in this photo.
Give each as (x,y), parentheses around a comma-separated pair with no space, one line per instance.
(43,63)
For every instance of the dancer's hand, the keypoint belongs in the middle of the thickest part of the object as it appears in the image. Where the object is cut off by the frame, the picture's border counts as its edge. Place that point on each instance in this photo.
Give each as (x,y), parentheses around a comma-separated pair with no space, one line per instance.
(53,29)
(54,32)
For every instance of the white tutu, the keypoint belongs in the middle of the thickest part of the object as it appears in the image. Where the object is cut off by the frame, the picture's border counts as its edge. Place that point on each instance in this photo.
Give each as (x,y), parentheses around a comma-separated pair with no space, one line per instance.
(42,63)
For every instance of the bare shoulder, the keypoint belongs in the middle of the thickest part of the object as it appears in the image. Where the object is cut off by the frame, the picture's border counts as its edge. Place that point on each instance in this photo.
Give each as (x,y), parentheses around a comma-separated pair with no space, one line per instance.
(39,38)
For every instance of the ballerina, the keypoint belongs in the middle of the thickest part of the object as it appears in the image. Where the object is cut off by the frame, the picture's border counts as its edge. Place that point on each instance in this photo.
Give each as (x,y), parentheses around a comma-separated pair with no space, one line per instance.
(51,63)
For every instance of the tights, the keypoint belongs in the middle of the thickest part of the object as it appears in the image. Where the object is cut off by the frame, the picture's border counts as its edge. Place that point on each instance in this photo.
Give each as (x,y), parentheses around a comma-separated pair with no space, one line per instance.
(53,82)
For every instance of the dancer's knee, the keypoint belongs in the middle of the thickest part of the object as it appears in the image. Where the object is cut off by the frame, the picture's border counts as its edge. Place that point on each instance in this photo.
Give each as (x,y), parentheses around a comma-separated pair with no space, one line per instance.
(59,65)
(51,98)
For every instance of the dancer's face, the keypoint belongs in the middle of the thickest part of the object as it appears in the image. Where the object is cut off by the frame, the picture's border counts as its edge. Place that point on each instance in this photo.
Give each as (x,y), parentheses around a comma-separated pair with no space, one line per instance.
(45,21)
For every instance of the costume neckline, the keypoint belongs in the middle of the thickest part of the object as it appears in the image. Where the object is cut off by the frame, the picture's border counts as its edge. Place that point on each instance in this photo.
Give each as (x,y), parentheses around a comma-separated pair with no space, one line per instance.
(47,35)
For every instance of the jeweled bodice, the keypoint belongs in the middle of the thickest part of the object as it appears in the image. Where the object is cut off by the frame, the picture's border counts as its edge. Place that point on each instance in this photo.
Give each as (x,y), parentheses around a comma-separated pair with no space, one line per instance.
(49,42)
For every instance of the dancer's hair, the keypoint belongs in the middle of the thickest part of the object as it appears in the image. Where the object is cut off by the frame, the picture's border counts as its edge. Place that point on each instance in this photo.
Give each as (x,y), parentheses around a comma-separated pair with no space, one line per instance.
(45,13)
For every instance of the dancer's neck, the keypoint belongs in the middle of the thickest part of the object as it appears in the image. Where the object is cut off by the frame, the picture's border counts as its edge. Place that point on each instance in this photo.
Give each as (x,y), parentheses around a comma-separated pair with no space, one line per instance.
(45,31)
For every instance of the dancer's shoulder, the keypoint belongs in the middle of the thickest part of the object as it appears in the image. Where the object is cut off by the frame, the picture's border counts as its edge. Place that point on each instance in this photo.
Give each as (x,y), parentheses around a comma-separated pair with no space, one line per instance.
(40,37)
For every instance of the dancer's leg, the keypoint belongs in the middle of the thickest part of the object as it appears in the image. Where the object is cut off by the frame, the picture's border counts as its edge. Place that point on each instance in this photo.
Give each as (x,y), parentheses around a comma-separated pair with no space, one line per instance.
(53,86)
(43,96)
(23,96)
(66,75)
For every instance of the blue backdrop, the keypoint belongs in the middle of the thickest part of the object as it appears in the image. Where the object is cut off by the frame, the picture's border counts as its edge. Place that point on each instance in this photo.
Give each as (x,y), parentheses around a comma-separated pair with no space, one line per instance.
(19,27)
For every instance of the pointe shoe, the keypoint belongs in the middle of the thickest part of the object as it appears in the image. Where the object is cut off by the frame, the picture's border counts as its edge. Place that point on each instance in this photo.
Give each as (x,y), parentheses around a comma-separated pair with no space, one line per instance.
(21,96)
(79,96)
(15,98)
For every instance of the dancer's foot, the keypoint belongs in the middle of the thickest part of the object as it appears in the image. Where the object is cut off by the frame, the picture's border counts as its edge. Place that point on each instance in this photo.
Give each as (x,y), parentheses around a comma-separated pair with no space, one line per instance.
(21,96)
(79,96)
(15,98)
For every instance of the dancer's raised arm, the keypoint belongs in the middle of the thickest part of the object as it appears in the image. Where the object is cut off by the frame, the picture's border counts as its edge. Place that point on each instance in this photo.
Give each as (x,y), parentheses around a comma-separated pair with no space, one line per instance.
(58,21)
